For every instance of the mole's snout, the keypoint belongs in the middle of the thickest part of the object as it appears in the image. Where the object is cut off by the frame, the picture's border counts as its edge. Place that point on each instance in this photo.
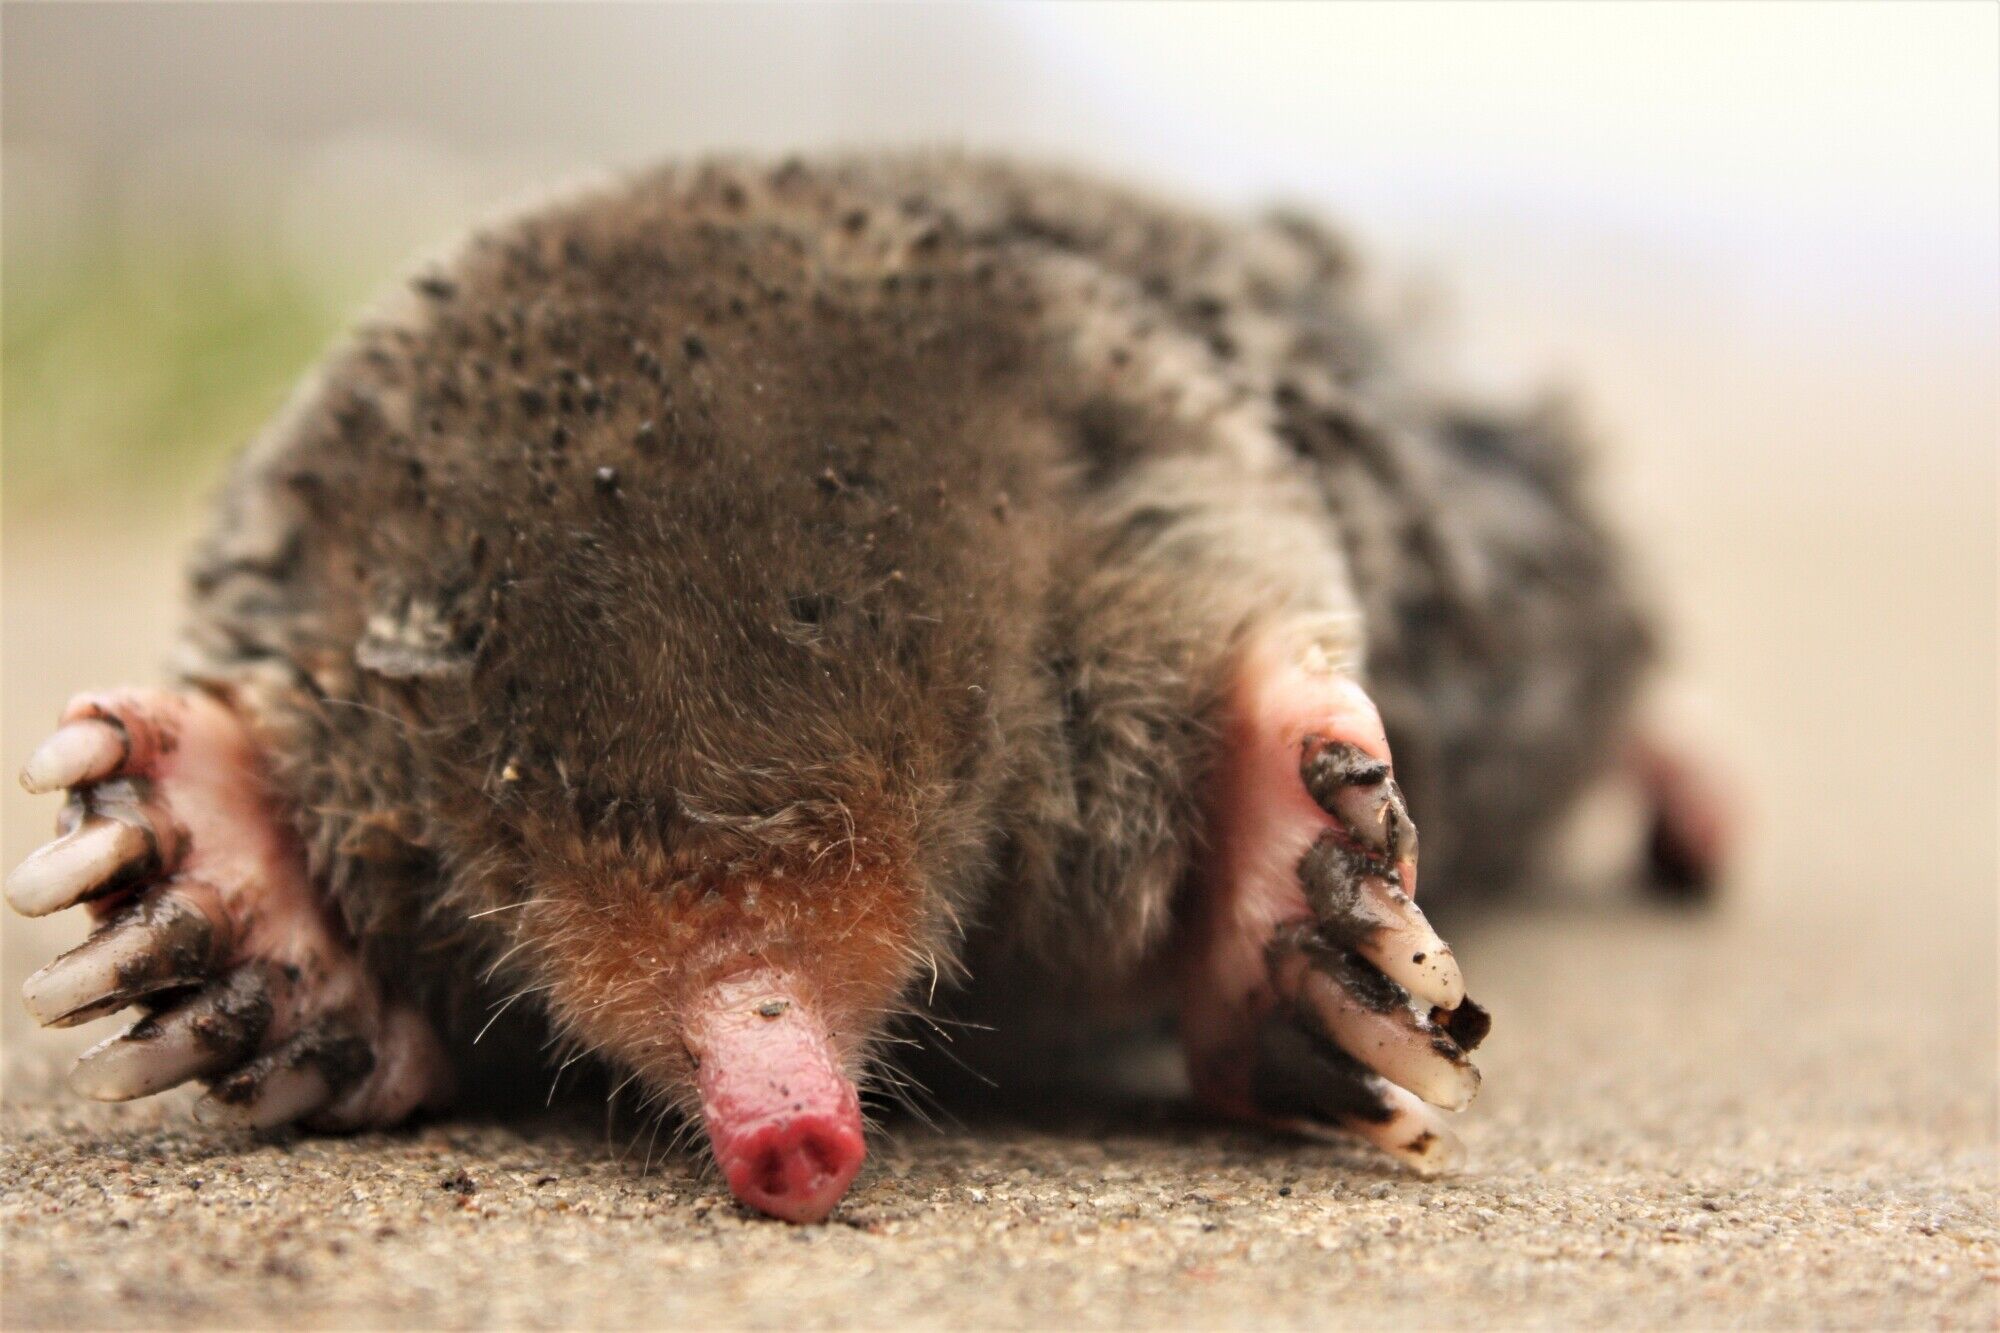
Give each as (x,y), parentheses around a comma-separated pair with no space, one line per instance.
(783,1119)
(797,1169)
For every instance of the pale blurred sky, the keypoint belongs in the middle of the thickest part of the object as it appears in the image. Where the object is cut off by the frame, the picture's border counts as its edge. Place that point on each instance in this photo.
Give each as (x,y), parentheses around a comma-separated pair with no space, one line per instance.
(1602,186)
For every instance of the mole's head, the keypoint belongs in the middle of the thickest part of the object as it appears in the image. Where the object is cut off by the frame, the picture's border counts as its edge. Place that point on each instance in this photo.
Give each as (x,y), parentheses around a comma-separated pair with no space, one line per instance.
(746,617)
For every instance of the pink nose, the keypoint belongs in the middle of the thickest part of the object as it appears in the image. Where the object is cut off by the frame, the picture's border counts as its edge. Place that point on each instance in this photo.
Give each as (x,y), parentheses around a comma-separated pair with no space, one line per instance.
(797,1169)
(782,1118)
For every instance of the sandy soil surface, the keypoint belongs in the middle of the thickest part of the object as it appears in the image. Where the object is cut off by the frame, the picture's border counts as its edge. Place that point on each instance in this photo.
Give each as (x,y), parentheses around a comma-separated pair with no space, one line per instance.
(1779,1113)
(1680,1128)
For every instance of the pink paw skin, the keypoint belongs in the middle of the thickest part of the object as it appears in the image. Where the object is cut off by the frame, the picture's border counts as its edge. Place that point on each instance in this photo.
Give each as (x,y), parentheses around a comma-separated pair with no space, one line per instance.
(1315,996)
(206,920)
(1695,812)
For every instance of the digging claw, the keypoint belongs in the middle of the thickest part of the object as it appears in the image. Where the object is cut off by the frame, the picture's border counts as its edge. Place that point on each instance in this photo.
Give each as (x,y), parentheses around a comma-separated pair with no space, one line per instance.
(164,942)
(101,855)
(87,750)
(1413,1134)
(288,1084)
(1338,994)
(1360,903)
(1310,1084)
(1356,789)
(205,1035)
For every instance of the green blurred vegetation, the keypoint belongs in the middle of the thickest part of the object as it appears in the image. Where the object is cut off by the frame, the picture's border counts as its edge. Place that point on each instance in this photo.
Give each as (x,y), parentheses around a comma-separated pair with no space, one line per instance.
(133,361)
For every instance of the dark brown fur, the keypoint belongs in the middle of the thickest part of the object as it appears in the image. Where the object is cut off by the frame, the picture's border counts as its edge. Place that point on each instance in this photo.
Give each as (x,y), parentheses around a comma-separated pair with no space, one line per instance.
(874,532)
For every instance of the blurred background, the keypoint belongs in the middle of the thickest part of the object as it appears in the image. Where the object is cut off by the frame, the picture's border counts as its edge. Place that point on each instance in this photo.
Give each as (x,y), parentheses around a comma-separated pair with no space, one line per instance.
(1758,243)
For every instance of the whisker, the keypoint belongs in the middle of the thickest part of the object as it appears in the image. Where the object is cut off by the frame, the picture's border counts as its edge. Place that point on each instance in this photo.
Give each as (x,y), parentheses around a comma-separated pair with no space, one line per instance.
(499,962)
(652,1140)
(506,907)
(622,1084)
(904,1089)
(939,1022)
(505,1005)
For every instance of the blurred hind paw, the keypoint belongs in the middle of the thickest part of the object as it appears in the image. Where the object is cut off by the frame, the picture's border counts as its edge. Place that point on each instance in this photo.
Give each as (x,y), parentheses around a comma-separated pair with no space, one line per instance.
(1693,821)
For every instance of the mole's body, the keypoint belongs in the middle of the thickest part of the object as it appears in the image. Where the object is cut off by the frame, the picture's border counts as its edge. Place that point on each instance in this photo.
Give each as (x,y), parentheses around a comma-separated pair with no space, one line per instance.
(704,606)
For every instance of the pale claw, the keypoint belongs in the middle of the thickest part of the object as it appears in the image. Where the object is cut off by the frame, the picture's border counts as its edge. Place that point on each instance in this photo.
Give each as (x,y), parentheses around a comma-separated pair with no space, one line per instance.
(1412,1133)
(1370,1017)
(1309,1085)
(78,752)
(1357,790)
(1360,905)
(288,1084)
(280,1095)
(100,855)
(164,942)
(213,1031)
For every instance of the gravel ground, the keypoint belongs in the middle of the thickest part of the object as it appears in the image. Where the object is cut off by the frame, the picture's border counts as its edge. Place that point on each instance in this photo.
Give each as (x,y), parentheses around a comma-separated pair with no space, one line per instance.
(1675,1132)
(1781,1113)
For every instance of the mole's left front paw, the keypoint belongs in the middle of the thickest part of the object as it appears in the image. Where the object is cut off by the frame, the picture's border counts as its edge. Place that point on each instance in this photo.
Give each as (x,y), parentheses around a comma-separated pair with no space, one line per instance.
(1316,996)
(207,919)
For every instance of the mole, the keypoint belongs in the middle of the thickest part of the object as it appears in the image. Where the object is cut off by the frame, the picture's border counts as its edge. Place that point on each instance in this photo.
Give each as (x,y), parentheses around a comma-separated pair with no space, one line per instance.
(707,623)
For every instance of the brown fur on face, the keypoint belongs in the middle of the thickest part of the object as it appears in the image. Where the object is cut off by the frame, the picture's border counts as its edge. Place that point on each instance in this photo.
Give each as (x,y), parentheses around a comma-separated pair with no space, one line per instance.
(630,956)
(645,565)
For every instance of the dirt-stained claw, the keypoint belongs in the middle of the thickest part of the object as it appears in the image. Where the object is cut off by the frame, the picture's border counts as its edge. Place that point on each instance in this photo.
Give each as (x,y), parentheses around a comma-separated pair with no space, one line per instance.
(264,1095)
(213,1031)
(87,750)
(1309,1084)
(1370,1017)
(208,918)
(1357,790)
(166,941)
(289,1083)
(101,855)
(410,1071)
(1413,1134)
(1360,903)
(137,1062)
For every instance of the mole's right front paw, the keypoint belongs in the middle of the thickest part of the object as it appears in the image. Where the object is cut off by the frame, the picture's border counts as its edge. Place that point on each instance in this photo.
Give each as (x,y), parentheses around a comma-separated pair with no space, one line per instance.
(1316,996)
(207,919)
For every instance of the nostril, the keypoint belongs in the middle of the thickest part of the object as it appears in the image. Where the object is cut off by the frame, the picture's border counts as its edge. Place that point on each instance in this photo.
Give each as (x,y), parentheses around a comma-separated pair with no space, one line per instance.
(814,1157)
(821,1152)
(800,1169)
(770,1174)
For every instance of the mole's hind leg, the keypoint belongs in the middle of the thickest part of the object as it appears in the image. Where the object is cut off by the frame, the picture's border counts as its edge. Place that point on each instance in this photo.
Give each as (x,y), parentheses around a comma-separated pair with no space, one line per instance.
(207,919)
(1693,824)
(1314,994)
